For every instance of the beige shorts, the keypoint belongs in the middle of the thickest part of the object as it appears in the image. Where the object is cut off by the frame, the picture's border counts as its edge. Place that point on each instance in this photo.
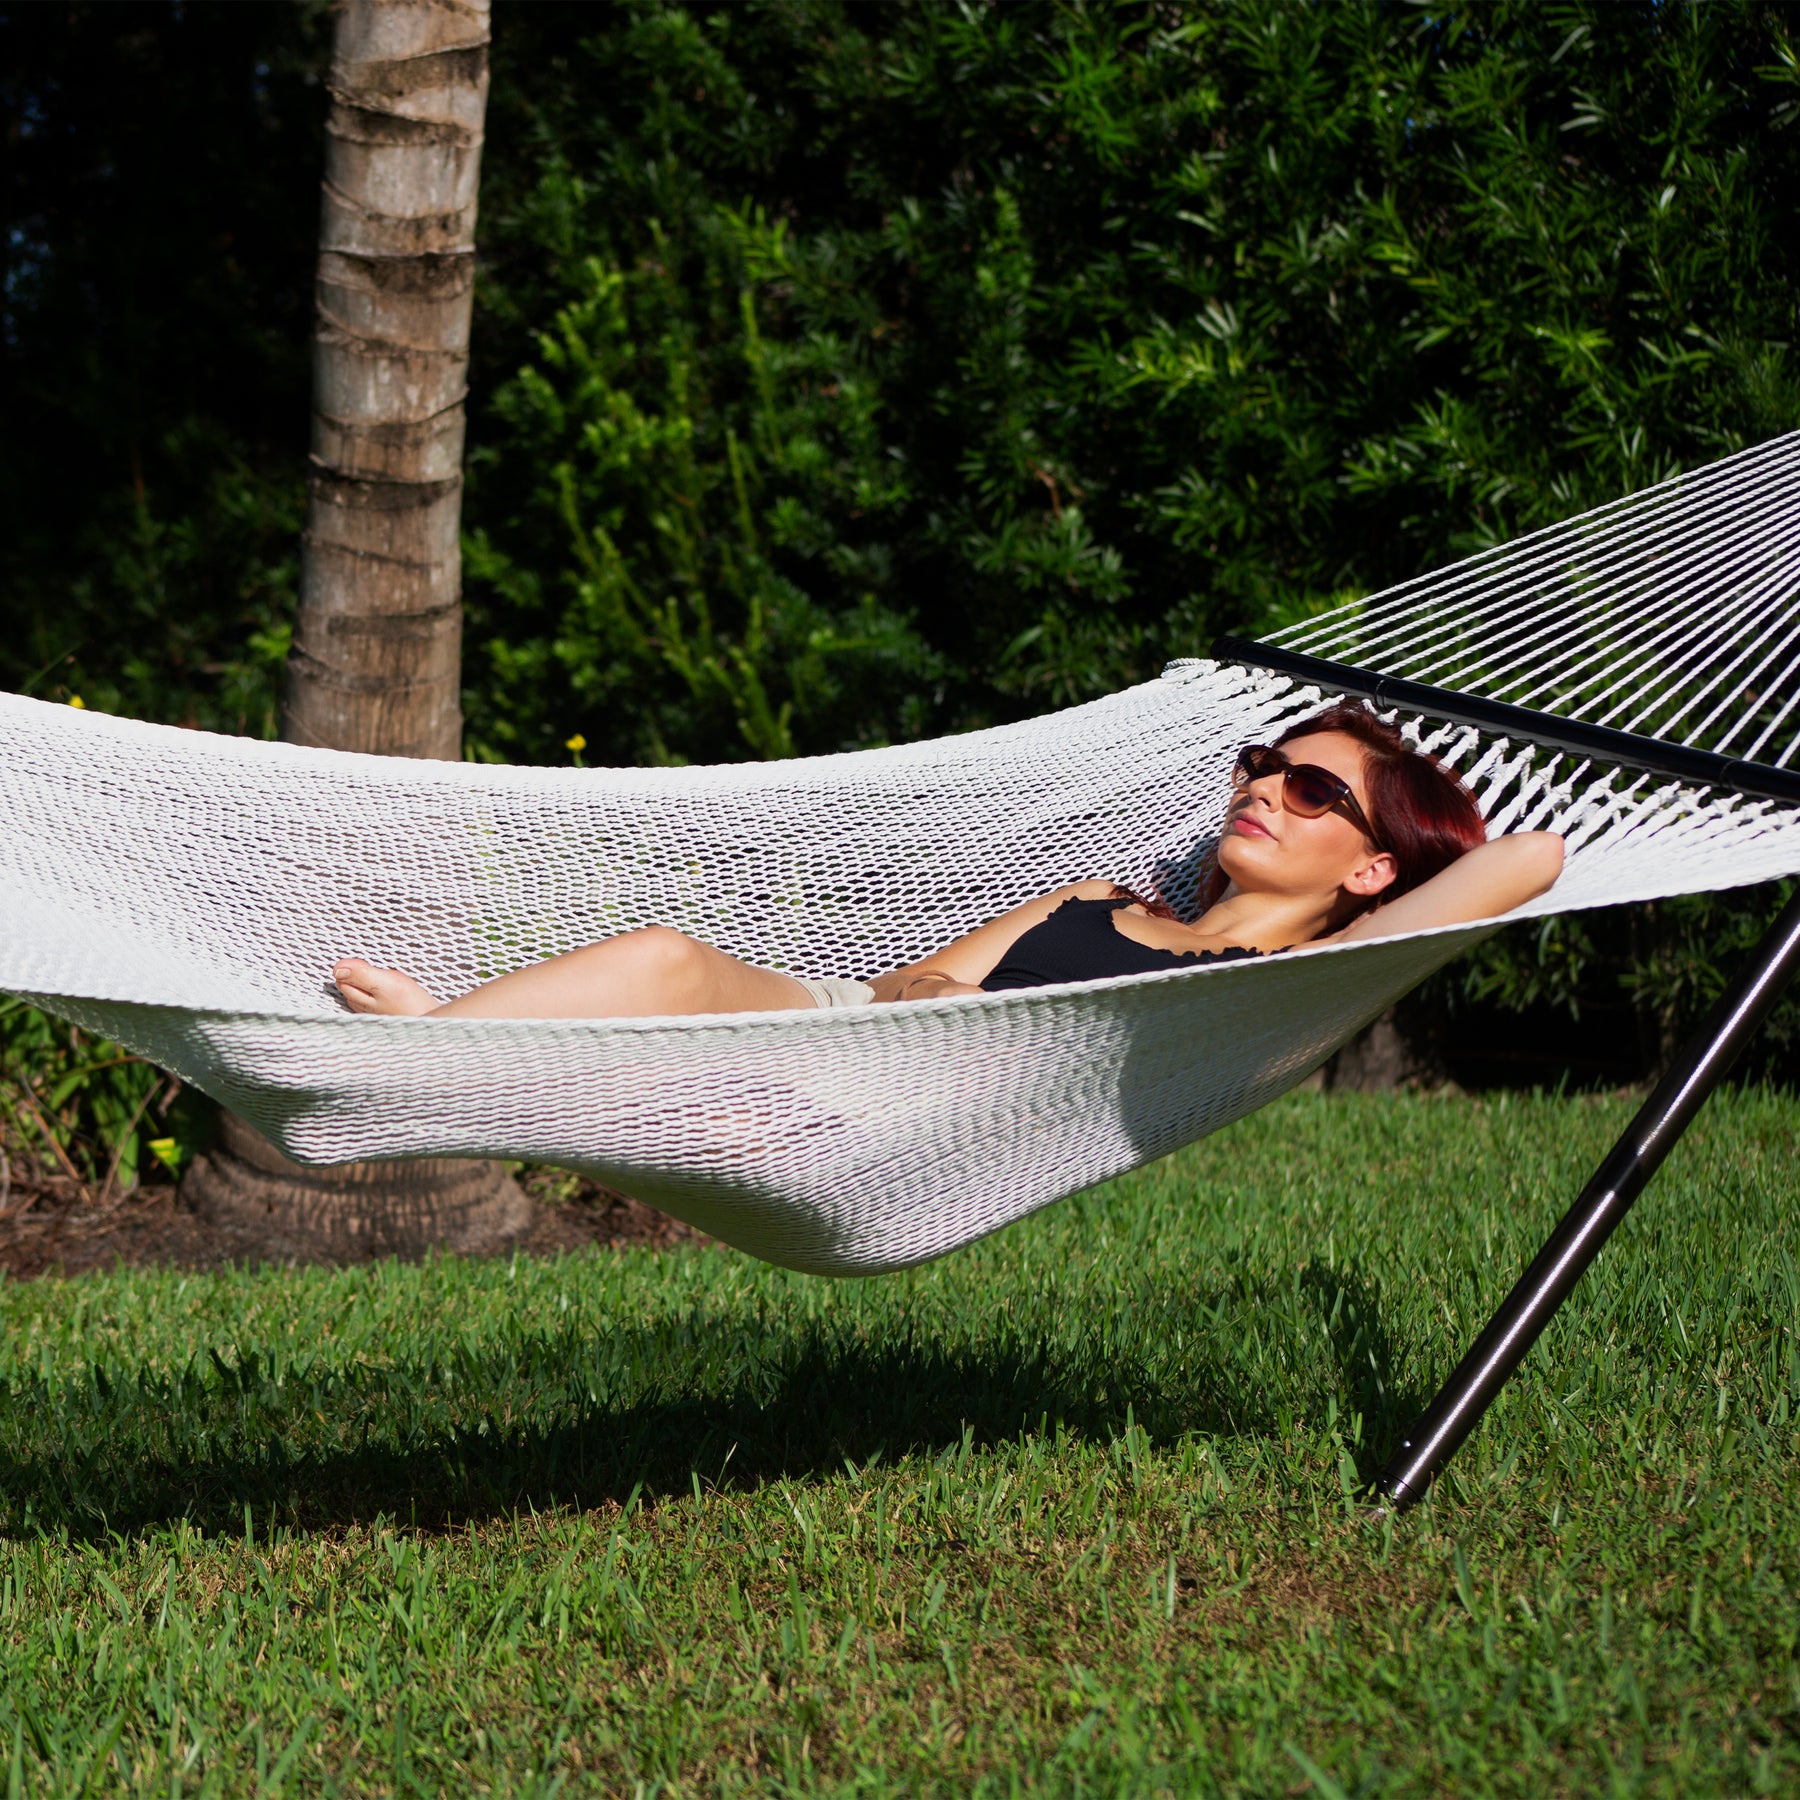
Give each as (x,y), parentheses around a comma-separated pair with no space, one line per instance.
(837,990)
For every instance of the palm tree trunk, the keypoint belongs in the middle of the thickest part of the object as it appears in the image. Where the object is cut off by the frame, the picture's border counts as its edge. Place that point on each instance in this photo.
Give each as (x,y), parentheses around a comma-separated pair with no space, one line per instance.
(376,658)
(376,662)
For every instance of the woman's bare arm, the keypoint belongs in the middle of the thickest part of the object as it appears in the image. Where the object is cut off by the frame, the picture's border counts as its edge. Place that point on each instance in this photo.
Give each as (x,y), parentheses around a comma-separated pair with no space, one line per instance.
(1491,879)
(962,966)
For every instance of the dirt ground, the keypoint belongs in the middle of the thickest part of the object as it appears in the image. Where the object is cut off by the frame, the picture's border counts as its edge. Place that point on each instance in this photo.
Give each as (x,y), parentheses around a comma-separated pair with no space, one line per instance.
(53,1229)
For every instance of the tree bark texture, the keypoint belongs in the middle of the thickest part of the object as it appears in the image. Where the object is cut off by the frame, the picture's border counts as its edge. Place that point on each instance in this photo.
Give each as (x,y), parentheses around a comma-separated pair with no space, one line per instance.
(352,1212)
(376,663)
(377,657)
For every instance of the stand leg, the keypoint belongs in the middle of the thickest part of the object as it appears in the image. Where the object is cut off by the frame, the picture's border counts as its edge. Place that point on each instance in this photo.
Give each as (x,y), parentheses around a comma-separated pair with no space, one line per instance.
(1698,1068)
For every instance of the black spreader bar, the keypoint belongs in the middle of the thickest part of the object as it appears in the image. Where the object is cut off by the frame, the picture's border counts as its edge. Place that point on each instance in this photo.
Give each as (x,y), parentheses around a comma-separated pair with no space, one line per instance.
(1698,1068)
(1702,767)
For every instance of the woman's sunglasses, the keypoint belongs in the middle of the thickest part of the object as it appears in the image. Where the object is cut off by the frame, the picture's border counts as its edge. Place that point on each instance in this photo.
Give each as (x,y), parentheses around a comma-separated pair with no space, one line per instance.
(1306,789)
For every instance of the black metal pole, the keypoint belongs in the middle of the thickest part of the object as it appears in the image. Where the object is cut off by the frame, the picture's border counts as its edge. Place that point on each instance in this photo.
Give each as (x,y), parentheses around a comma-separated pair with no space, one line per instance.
(1698,1068)
(1705,768)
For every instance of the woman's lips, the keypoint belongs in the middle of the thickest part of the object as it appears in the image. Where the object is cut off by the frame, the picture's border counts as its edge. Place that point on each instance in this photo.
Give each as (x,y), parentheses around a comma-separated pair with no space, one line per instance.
(1249,827)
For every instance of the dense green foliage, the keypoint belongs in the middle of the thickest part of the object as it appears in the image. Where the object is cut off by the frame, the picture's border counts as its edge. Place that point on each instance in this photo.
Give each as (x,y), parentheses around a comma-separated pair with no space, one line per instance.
(1068,336)
(844,374)
(160,176)
(75,1108)
(1072,1511)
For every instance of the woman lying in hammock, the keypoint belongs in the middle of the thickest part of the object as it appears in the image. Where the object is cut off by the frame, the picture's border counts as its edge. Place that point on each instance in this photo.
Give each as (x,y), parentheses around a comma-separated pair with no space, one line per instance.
(1337,831)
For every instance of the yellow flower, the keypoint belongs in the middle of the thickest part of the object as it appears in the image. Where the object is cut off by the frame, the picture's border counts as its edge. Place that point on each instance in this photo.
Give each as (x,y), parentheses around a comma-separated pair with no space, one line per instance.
(577,743)
(76,701)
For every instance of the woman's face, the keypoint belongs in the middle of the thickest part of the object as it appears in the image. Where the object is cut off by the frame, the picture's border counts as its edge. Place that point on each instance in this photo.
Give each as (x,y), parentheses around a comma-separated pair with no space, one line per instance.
(1267,849)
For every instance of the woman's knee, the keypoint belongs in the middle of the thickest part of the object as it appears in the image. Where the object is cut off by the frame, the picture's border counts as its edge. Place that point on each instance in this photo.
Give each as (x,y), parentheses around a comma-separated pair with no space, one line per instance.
(656,954)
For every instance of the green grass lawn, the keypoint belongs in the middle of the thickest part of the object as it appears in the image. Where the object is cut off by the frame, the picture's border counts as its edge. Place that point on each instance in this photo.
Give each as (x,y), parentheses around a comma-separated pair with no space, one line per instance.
(1072,1511)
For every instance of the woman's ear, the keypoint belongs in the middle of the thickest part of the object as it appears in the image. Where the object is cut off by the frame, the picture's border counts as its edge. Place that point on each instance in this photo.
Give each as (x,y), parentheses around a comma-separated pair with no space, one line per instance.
(1370,878)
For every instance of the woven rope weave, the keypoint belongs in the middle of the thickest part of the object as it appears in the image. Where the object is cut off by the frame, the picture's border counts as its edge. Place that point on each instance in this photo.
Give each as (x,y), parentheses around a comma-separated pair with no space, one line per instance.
(186,895)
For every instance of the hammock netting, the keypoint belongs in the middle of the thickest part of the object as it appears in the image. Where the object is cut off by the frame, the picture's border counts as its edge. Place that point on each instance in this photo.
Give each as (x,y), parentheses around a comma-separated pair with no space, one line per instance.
(185,895)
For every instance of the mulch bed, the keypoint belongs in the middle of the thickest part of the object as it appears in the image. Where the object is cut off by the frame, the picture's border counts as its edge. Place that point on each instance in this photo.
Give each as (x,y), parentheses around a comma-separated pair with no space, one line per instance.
(53,1228)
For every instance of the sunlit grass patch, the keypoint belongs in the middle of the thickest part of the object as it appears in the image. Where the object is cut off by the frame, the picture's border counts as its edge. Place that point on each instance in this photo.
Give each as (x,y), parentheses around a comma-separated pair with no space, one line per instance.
(1078,1508)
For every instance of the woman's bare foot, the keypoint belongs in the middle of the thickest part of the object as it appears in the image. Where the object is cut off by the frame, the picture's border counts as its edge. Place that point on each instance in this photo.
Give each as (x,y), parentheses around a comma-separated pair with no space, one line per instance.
(367,989)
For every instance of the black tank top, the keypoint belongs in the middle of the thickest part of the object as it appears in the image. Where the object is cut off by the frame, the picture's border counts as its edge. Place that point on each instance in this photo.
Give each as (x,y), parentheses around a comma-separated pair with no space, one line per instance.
(1080,942)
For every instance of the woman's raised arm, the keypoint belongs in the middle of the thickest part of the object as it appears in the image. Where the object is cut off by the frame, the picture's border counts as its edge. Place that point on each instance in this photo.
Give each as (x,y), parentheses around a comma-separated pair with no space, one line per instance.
(1491,879)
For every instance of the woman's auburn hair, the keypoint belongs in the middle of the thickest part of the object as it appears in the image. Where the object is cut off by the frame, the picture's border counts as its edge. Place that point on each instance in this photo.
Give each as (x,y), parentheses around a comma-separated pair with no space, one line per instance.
(1423,815)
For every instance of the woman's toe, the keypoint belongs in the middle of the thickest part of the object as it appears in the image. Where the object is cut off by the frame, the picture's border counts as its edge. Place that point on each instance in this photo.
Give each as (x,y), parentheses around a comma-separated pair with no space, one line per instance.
(359,983)
(368,989)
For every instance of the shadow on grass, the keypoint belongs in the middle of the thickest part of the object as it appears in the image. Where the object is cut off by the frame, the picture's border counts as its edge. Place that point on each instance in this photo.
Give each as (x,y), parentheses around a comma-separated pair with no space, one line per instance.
(581,1419)
(1367,1361)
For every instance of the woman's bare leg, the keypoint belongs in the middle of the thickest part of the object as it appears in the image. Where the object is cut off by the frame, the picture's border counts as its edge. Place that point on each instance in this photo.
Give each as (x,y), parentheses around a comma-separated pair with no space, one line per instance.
(637,975)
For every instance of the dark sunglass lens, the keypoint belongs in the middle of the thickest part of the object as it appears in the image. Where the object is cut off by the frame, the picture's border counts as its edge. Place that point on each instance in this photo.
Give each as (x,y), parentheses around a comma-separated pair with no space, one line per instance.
(1312,791)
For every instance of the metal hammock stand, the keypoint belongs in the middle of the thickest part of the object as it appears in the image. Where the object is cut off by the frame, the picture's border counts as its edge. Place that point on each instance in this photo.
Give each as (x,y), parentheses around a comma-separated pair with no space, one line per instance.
(1696,1069)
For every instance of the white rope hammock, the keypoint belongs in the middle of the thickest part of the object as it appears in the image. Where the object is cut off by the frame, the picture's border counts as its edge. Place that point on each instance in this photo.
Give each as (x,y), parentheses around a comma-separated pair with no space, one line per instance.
(186,894)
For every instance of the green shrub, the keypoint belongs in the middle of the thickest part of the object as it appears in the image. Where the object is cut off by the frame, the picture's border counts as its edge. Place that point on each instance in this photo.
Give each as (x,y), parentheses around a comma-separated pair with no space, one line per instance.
(77,1109)
(1136,323)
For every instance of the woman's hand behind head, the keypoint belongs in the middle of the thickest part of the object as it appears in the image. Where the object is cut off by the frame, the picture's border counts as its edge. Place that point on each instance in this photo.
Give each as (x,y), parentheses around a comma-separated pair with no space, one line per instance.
(1487,881)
